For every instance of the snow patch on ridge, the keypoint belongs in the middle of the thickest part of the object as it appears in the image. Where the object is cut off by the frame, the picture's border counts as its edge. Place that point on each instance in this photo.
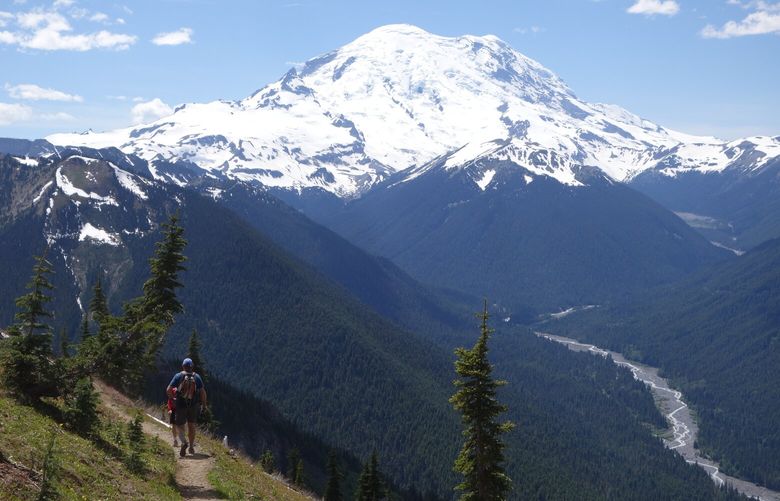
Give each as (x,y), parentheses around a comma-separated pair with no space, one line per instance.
(485,180)
(129,183)
(43,192)
(98,235)
(30,162)
(70,190)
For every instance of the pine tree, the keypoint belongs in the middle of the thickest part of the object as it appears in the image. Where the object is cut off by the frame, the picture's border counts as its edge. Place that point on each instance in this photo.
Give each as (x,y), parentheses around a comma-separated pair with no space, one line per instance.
(193,352)
(98,307)
(299,479)
(29,371)
(146,319)
(32,306)
(51,470)
(480,460)
(135,439)
(333,487)
(85,333)
(370,484)
(135,433)
(267,462)
(292,463)
(64,345)
(159,300)
(81,408)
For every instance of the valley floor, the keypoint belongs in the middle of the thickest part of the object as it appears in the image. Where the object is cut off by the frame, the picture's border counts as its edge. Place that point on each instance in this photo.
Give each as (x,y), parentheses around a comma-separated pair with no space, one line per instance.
(680,417)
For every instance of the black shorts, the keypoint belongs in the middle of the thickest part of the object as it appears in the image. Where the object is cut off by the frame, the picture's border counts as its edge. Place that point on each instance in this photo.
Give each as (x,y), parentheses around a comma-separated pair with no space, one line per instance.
(187,414)
(173,416)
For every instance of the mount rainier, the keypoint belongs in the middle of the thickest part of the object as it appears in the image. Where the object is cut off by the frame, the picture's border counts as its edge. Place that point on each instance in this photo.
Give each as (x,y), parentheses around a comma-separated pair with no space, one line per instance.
(398,98)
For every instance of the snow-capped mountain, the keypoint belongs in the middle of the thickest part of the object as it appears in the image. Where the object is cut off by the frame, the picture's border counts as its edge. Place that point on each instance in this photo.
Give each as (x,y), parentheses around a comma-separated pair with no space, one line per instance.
(399,97)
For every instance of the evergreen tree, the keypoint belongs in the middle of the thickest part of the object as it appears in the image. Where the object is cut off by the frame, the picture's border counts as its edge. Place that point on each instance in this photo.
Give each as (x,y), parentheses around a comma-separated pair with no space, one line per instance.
(64,345)
(29,371)
(146,319)
(51,470)
(292,463)
(370,484)
(135,439)
(333,487)
(480,460)
(32,306)
(135,433)
(267,461)
(159,300)
(98,307)
(299,479)
(85,333)
(81,408)
(193,352)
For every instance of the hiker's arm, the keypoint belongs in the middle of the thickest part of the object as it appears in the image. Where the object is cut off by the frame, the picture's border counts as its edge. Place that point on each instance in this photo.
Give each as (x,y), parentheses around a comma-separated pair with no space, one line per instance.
(203,400)
(174,382)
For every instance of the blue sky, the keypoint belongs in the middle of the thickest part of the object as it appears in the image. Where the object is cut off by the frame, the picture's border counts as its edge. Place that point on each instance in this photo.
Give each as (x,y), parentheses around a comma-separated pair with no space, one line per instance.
(706,67)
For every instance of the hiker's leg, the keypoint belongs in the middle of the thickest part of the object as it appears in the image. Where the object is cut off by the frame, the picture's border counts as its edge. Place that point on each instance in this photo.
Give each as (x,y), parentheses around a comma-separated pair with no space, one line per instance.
(181,418)
(191,430)
(182,438)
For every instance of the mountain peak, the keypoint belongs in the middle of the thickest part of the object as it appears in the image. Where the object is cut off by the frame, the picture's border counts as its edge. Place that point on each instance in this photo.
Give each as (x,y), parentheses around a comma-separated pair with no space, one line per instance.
(397,28)
(395,99)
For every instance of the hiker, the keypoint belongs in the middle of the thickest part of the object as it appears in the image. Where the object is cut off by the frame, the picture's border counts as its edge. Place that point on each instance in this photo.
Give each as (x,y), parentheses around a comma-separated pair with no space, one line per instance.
(172,416)
(190,400)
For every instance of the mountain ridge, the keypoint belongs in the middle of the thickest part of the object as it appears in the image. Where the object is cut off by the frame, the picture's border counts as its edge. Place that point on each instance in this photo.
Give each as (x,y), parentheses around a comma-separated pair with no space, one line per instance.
(398,97)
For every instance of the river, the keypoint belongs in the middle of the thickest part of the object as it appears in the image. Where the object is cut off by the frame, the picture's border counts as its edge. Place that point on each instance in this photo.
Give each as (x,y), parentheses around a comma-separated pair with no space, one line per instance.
(671,404)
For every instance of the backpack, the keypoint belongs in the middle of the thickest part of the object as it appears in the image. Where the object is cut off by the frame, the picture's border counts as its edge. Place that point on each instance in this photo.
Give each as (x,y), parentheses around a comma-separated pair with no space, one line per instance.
(187,386)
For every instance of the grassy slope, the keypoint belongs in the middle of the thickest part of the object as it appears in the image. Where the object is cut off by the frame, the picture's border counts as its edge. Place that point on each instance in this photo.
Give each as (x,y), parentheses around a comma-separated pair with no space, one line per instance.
(86,470)
(95,470)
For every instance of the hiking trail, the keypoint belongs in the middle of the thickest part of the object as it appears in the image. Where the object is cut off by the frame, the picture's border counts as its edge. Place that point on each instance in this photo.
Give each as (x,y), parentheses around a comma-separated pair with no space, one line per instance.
(191,471)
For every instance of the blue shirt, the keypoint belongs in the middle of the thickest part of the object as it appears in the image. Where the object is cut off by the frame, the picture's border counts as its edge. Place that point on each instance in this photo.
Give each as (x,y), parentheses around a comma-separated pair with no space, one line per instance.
(177,380)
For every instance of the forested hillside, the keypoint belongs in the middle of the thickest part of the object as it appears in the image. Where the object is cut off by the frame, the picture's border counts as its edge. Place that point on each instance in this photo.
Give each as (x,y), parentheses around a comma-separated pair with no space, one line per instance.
(716,336)
(337,370)
(523,243)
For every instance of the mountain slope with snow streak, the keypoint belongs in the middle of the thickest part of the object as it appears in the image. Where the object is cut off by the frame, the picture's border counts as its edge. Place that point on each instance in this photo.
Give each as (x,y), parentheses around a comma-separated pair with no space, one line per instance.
(397,98)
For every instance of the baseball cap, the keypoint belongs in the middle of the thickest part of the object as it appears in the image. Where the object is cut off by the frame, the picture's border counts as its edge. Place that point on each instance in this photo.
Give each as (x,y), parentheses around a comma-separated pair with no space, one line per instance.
(187,362)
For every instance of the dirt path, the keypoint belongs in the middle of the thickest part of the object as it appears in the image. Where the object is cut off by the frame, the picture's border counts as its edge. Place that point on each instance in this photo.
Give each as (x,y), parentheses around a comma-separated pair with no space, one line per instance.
(191,471)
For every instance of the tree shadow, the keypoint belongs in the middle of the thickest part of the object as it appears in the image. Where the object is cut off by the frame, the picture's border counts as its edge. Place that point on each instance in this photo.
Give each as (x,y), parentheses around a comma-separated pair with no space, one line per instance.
(197,492)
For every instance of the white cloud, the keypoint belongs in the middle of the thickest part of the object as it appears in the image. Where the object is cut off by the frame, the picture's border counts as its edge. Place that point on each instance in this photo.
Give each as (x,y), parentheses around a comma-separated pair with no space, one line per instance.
(63,3)
(765,20)
(533,30)
(49,30)
(653,7)
(12,113)
(20,113)
(78,13)
(5,17)
(7,37)
(178,37)
(150,111)
(99,17)
(34,92)
(56,117)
